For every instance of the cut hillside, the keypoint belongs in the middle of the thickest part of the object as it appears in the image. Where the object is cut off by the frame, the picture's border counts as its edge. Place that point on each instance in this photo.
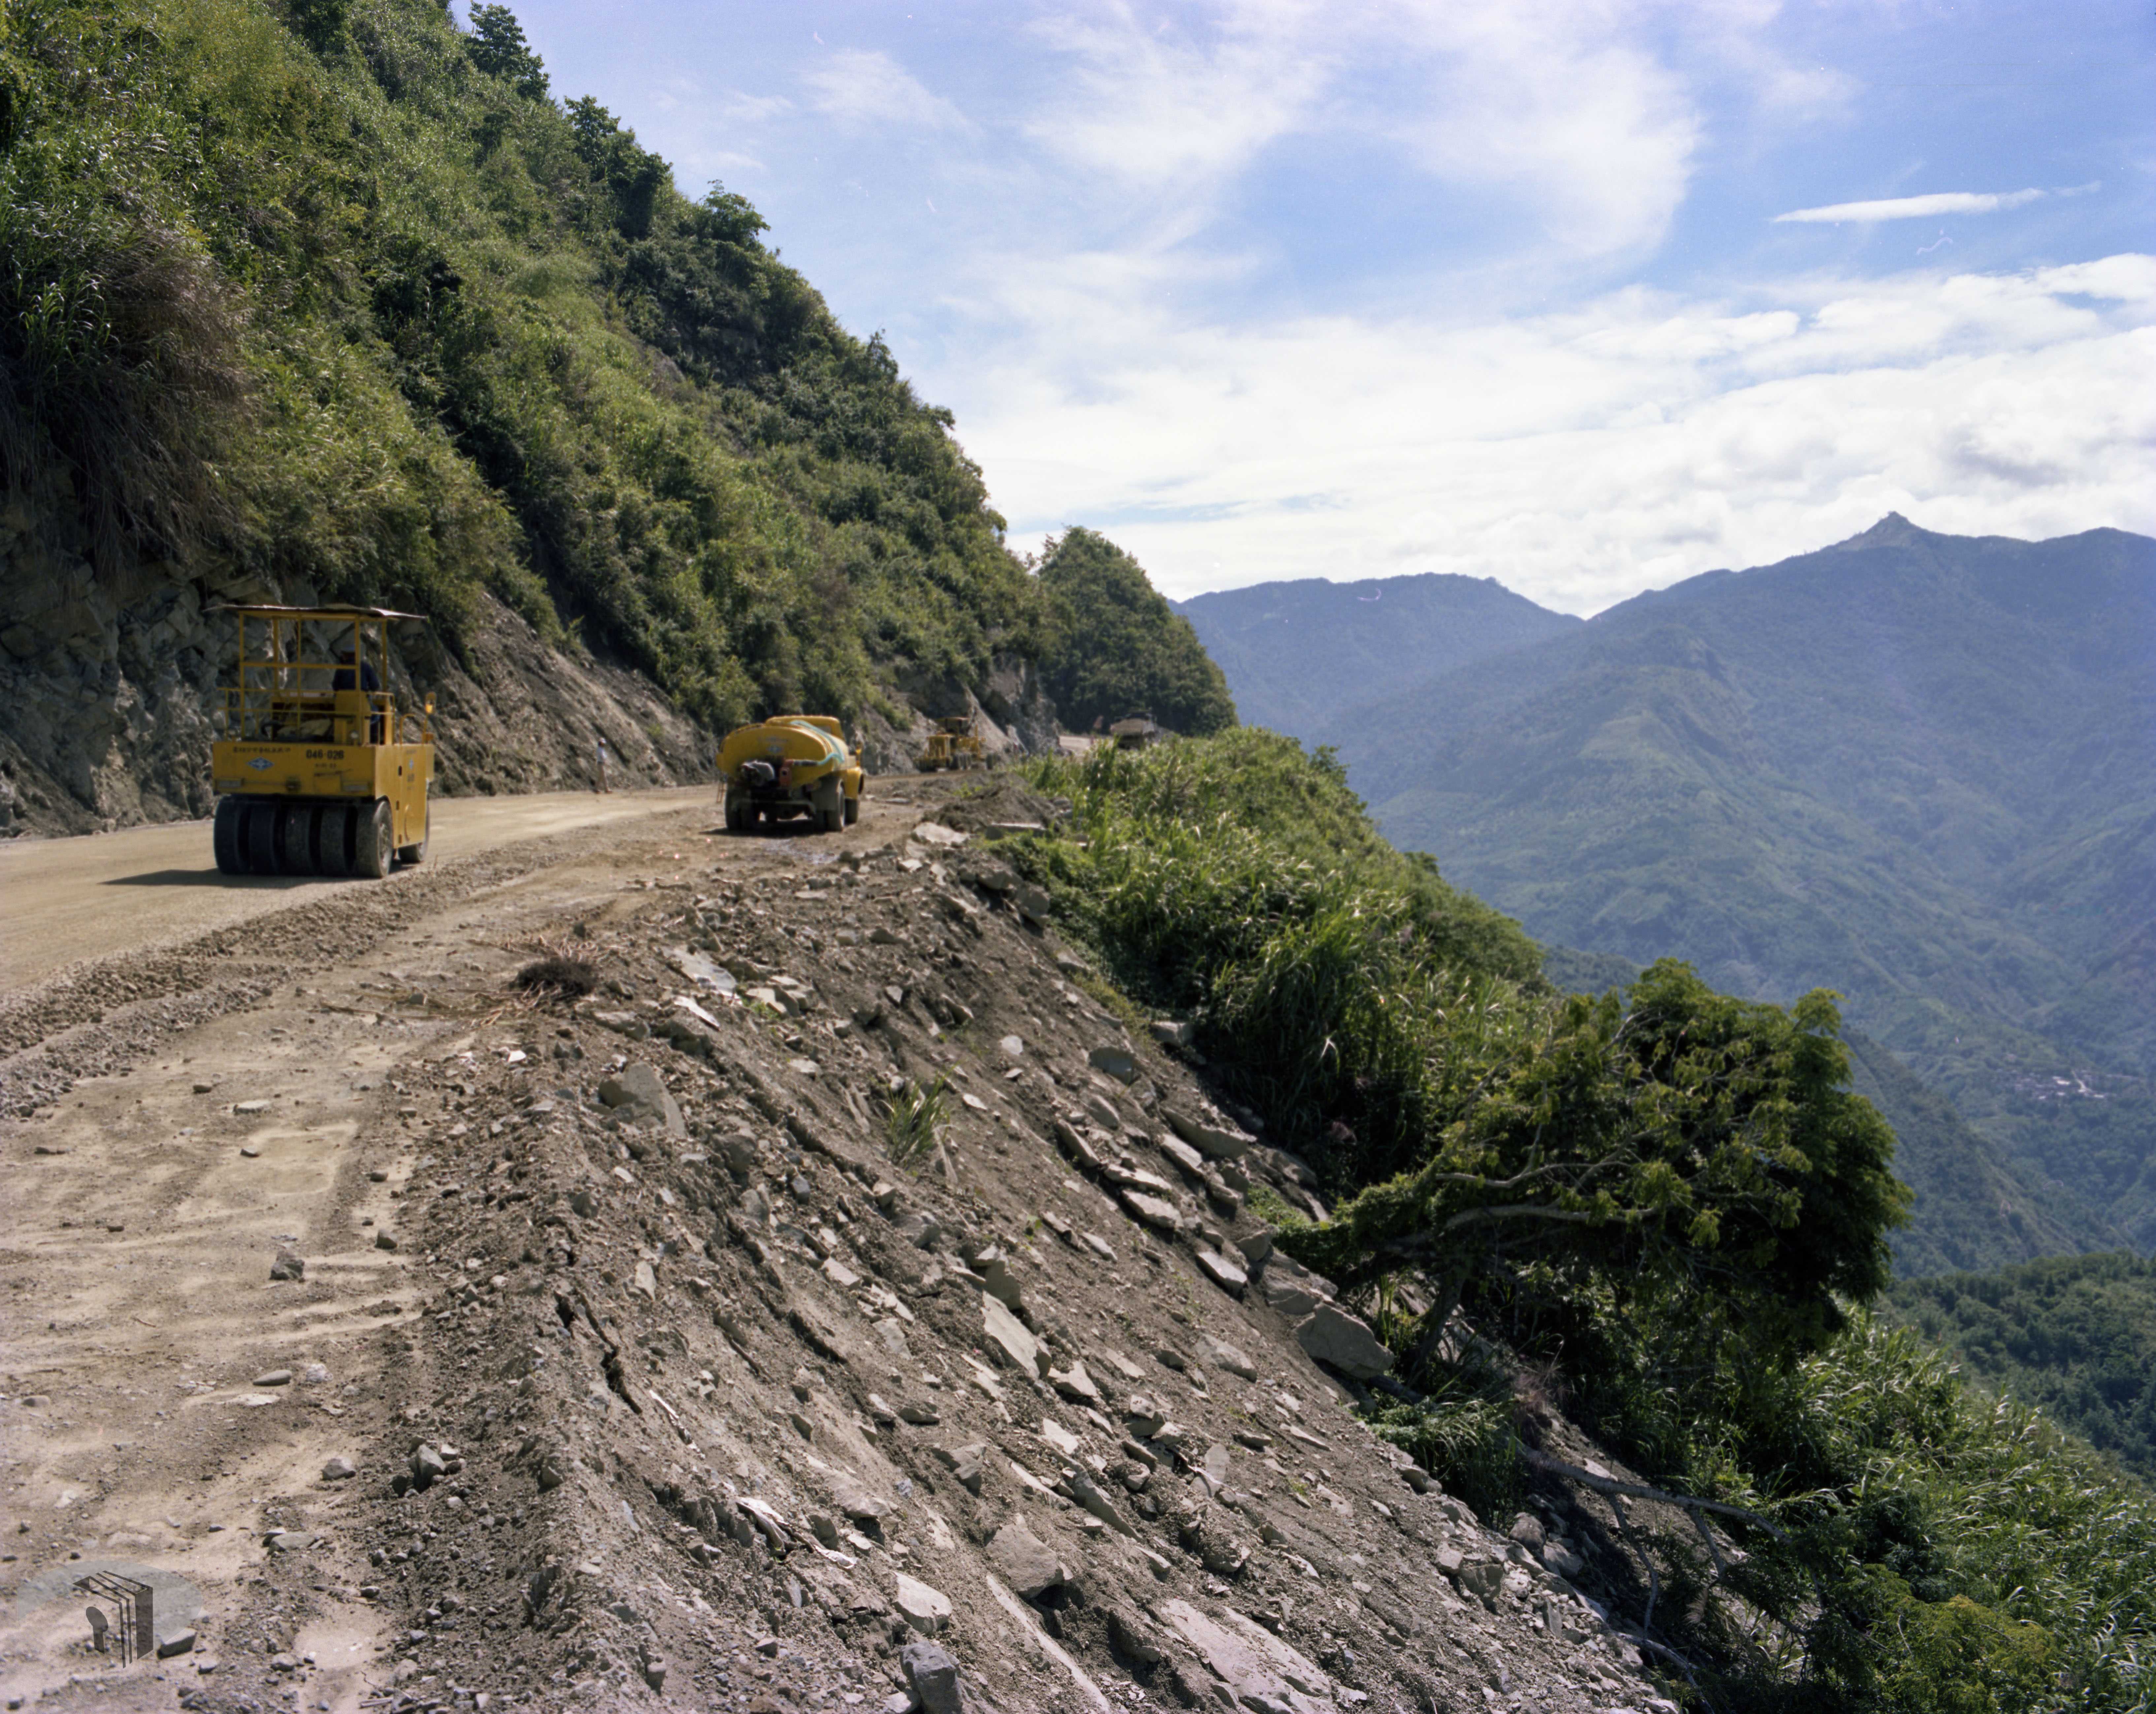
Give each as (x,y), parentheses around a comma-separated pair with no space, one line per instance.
(1298,654)
(335,302)
(1913,768)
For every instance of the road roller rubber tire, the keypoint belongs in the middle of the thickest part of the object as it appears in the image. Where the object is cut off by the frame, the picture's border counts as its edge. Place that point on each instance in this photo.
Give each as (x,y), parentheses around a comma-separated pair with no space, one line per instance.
(333,840)
(296,839)
(229,836)
(372,850)
(263,836)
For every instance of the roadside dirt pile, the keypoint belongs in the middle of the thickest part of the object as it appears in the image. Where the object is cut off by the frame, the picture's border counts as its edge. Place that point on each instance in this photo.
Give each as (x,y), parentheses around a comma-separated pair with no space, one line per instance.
(806,1291)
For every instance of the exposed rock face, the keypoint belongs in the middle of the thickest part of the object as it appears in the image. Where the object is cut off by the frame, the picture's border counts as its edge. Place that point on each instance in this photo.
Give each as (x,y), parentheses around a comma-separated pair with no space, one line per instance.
(108,692)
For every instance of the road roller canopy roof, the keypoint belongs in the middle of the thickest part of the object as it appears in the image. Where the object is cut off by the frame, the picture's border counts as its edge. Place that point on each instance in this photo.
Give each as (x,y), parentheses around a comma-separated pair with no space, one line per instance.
(315,613)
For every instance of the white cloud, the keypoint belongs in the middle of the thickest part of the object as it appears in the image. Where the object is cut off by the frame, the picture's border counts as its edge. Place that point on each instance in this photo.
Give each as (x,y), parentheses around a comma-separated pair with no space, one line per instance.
(1156,106)
(1577,457)
(1913,207)
(1550,103)
(861,90)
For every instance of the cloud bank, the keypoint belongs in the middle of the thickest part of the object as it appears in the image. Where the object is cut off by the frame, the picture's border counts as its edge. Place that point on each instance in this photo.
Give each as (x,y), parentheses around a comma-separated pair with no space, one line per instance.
(1582,455)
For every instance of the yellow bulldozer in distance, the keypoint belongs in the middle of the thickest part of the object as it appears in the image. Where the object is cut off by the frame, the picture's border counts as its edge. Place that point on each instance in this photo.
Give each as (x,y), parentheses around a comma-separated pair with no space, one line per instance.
(790,766)
(319,772)
(955,743)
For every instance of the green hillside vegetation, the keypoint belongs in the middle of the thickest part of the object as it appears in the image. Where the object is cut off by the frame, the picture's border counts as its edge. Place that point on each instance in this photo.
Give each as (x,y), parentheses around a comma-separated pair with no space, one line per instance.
(1972,1209)
(2075,1334)
(1112,646)
(343,296)
(1666,1205)
(1297,654)
(1913,768)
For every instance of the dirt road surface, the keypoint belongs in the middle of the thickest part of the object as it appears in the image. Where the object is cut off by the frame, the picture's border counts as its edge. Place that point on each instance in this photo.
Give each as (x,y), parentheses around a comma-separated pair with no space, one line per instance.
(107,893)
(162,1400)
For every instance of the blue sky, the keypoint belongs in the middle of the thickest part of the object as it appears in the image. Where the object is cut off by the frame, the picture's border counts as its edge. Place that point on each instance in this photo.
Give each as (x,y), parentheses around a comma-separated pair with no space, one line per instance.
(1587,296)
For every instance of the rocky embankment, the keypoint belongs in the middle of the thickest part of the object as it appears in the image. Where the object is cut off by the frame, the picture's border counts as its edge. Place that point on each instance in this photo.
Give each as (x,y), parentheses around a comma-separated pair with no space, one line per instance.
(109,688)
(694,1381)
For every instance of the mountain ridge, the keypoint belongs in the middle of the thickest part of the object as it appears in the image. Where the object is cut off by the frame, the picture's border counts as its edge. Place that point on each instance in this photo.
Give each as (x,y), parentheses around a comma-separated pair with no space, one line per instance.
(1288,647)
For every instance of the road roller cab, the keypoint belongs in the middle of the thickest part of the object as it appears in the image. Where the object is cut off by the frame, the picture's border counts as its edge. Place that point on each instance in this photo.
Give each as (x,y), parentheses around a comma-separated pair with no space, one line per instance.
(795,765)
(319,770)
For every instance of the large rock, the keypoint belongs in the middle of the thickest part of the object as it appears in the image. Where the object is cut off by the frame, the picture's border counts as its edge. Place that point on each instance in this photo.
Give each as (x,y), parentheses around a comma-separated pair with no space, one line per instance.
(1343,1342)
(926,1609)
(1028,1563)
(1250,1662)
(1216,1141)
(1075,1385)
(1116,1062)
(1292,1288)
(1009,1334)
(1223,1273)
(1152,1211)
(639,1093)
(932,1675)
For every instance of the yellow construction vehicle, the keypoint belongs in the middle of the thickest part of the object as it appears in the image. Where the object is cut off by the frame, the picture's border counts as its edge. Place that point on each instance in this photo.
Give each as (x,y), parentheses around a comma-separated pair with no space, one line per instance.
(954,743)
(319,770)
(792,765)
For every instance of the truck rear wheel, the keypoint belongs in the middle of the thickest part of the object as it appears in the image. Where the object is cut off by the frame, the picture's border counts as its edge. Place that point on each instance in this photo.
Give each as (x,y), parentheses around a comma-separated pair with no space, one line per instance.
(229,836)
(263,838)
(296,839)
(333,839)
(737,813)
(853,810)
(828,806)
(372,850)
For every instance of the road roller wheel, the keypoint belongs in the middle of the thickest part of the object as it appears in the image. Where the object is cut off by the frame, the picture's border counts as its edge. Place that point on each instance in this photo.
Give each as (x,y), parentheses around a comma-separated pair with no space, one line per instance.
(296,839)
(417,854)
(263,838)
(229,836)
(372,850)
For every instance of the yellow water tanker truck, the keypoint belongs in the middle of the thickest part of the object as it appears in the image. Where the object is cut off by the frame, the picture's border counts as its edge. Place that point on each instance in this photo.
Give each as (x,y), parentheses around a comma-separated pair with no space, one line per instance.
(319,772)
(792,764)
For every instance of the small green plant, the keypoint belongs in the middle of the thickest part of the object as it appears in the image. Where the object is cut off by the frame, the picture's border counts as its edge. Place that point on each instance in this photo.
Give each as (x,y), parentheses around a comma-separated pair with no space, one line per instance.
(1266,1204)
(912,1118)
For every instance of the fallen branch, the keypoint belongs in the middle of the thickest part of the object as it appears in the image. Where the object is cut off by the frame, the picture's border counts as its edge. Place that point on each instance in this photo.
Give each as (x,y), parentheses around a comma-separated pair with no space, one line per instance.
(1639,1491)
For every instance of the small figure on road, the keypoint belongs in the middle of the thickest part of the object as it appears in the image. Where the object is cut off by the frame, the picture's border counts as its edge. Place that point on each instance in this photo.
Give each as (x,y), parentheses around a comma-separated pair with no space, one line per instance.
(602,785)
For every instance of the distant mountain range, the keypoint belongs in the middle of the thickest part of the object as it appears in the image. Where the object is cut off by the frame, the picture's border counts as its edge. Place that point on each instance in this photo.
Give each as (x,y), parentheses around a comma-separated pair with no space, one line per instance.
(1918,769)
(1296,653)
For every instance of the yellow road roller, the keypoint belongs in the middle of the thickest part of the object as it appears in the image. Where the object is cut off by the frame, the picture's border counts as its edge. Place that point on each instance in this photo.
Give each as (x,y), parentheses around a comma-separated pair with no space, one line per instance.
(319,770)
(790,766)
(955,743)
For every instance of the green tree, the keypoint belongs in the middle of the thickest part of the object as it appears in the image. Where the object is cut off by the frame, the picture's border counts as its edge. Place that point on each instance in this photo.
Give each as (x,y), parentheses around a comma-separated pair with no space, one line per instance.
(498,47)
(1114,647)
(1674,1155)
